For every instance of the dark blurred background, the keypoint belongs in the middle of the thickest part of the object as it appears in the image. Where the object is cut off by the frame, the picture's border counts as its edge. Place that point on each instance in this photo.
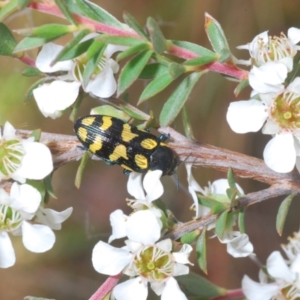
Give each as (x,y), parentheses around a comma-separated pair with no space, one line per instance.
(65,272)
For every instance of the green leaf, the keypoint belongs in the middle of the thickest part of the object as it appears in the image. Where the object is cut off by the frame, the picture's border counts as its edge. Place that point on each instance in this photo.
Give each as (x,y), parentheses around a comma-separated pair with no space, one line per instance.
(120,40)
(133,23)
(153,70)
(201,51)
(49,187)
(241,221)
(200,61)
(133,113)
(201,251)
(282,213)
(74,48)
(78,178)
(176,70)
(22,3)
(30,72)
(109,110)
(65,11)
(132,50)
(36,134)
(48,31)
(195,286)
(132,70)
(9,8)
(190,237)
(221,224)
(97,13)
(155,86)
(244,83)
(230,179)
(7,41)
(216,35)
(187,126)
(95,54)
(29,43)
(178,98)
(158,40)
(215,206)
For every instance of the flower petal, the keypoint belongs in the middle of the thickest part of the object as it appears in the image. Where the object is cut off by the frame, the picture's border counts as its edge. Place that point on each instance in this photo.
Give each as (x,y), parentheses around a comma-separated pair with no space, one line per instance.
(278,268)
(246,116)
(109,260)
(257,291)
(37,161)
(153,186)
(118,221)
(182,256)
(46,56)
(132,289)
(37,238)
(294,35)
(143,227)
(280,154)
(172,291)
(7,253)
(135,187)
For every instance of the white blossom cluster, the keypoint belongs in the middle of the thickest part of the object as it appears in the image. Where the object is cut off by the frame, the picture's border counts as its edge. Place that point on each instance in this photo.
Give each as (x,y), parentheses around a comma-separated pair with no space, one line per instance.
(274,105)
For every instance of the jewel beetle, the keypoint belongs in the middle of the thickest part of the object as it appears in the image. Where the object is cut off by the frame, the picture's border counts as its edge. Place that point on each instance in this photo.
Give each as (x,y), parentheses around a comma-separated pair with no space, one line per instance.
(117,142)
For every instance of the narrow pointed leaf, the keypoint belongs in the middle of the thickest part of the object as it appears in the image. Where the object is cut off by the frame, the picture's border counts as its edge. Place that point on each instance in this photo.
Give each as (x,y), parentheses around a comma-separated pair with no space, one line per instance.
(216,35)
(178,98)
(49,187)
(230,178)
(187,126)
(76,106)
(97,13)
(84,159)
(22,3)
(133,69)
(157,38)
(7,41)
(95,54)
(8,9)
(241,221)
(29,43)
(132,50)
(120,40)
(176,70)
(215,206)
(155,86)
(36,134)
(201,251)
(65,11)
(190,237)
(109,110)
(133,23)
(221,224)
(197,287)
(153,70)
(48,31)
(74,48)
(282,213)
(203,60)
(244,83)
(201,51)
(30,72)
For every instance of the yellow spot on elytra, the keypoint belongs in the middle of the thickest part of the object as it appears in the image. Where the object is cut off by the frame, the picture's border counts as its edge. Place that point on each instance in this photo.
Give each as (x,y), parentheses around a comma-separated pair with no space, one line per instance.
(88,121)
(82,133)
(107,122)
(127,135)
(97,145)
(141,161)
(119,151)
(126,168)
(148,144)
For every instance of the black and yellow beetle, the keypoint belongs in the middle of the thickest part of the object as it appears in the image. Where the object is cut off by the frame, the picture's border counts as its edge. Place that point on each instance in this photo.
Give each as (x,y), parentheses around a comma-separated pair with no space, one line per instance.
(117,142)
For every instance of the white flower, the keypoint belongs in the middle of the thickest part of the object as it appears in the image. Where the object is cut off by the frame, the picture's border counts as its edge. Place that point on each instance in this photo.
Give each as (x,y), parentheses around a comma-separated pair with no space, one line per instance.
(280,114)
(21,159)
(151,184)
(282,49)
(53,98)
(144,259)
(16,209)
(238,244)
